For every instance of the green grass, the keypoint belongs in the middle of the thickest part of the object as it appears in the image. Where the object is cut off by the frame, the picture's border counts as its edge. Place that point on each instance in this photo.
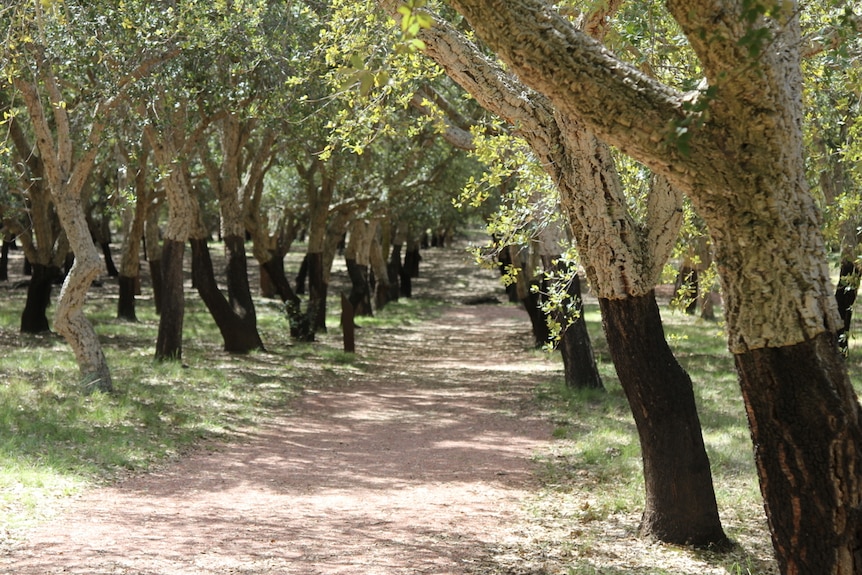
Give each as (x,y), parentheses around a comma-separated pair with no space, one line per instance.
(593,475)
(55,441)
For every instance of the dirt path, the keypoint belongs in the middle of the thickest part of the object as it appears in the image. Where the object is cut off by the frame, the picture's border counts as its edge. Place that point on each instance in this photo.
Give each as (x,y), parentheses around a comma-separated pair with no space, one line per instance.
(416,464)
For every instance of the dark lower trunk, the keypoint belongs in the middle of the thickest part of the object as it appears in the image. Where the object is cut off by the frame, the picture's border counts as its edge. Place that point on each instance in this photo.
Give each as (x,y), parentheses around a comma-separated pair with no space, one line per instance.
(302,276)
(538,319)
(347,326)
(156,280)
(274,270)
(169,345)
(4,261)
(317,289)
(238,330)
(109,260)
(238,287)
(575,347)
(845,295)
(34,319)
(412,257)
(360,289)
(805,424)
(393,269)
(680,501)
(267,285)
(126,302)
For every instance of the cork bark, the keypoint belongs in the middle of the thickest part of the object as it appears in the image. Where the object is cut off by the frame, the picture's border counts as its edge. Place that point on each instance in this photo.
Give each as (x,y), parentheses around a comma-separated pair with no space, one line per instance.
(742,165)
(66,174)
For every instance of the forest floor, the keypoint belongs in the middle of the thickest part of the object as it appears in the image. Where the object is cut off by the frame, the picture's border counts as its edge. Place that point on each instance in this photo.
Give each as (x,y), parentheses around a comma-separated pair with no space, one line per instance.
(423,458)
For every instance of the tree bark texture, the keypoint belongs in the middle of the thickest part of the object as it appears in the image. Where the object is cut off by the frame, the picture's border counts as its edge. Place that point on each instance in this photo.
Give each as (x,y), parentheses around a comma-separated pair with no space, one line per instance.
(358,258)
(237,325)
(300,326)
(302,276)
(66,176)
(348,327)
(743,167)
(807,448)
(360,288)
(69,318)
(169,345)
(680,502)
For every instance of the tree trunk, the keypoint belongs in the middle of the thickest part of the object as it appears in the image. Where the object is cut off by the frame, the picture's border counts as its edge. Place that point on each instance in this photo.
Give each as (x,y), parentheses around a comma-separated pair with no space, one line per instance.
(360,290)
(317,290)
(394,272)
(680,502)
(575,346)
(381,274)
(807,451)
(505,260)
(412,257)
(34,319)
(126,301)
(845,296)
(110,268)
(302,276)
(238,287)
(169,345)
(358,259)
(347,325)
(134,222)
(237,324)
(538,320)
(532,300)
(4,260)
(155,266)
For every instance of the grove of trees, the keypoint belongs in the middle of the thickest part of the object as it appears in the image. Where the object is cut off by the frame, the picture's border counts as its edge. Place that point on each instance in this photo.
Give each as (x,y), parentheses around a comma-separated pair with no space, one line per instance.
(587,135)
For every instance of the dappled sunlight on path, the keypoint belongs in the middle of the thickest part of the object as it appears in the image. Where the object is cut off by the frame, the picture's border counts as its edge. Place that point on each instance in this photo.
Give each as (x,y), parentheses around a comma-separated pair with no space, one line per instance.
(417,463)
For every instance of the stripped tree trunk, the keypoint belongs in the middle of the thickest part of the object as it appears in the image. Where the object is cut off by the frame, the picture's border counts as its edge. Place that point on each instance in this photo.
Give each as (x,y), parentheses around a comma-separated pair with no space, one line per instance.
(181,219)
(357,258)
(622,258)
(66,178)
(744,169)
(680,502)
(381,273)
(238,320)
